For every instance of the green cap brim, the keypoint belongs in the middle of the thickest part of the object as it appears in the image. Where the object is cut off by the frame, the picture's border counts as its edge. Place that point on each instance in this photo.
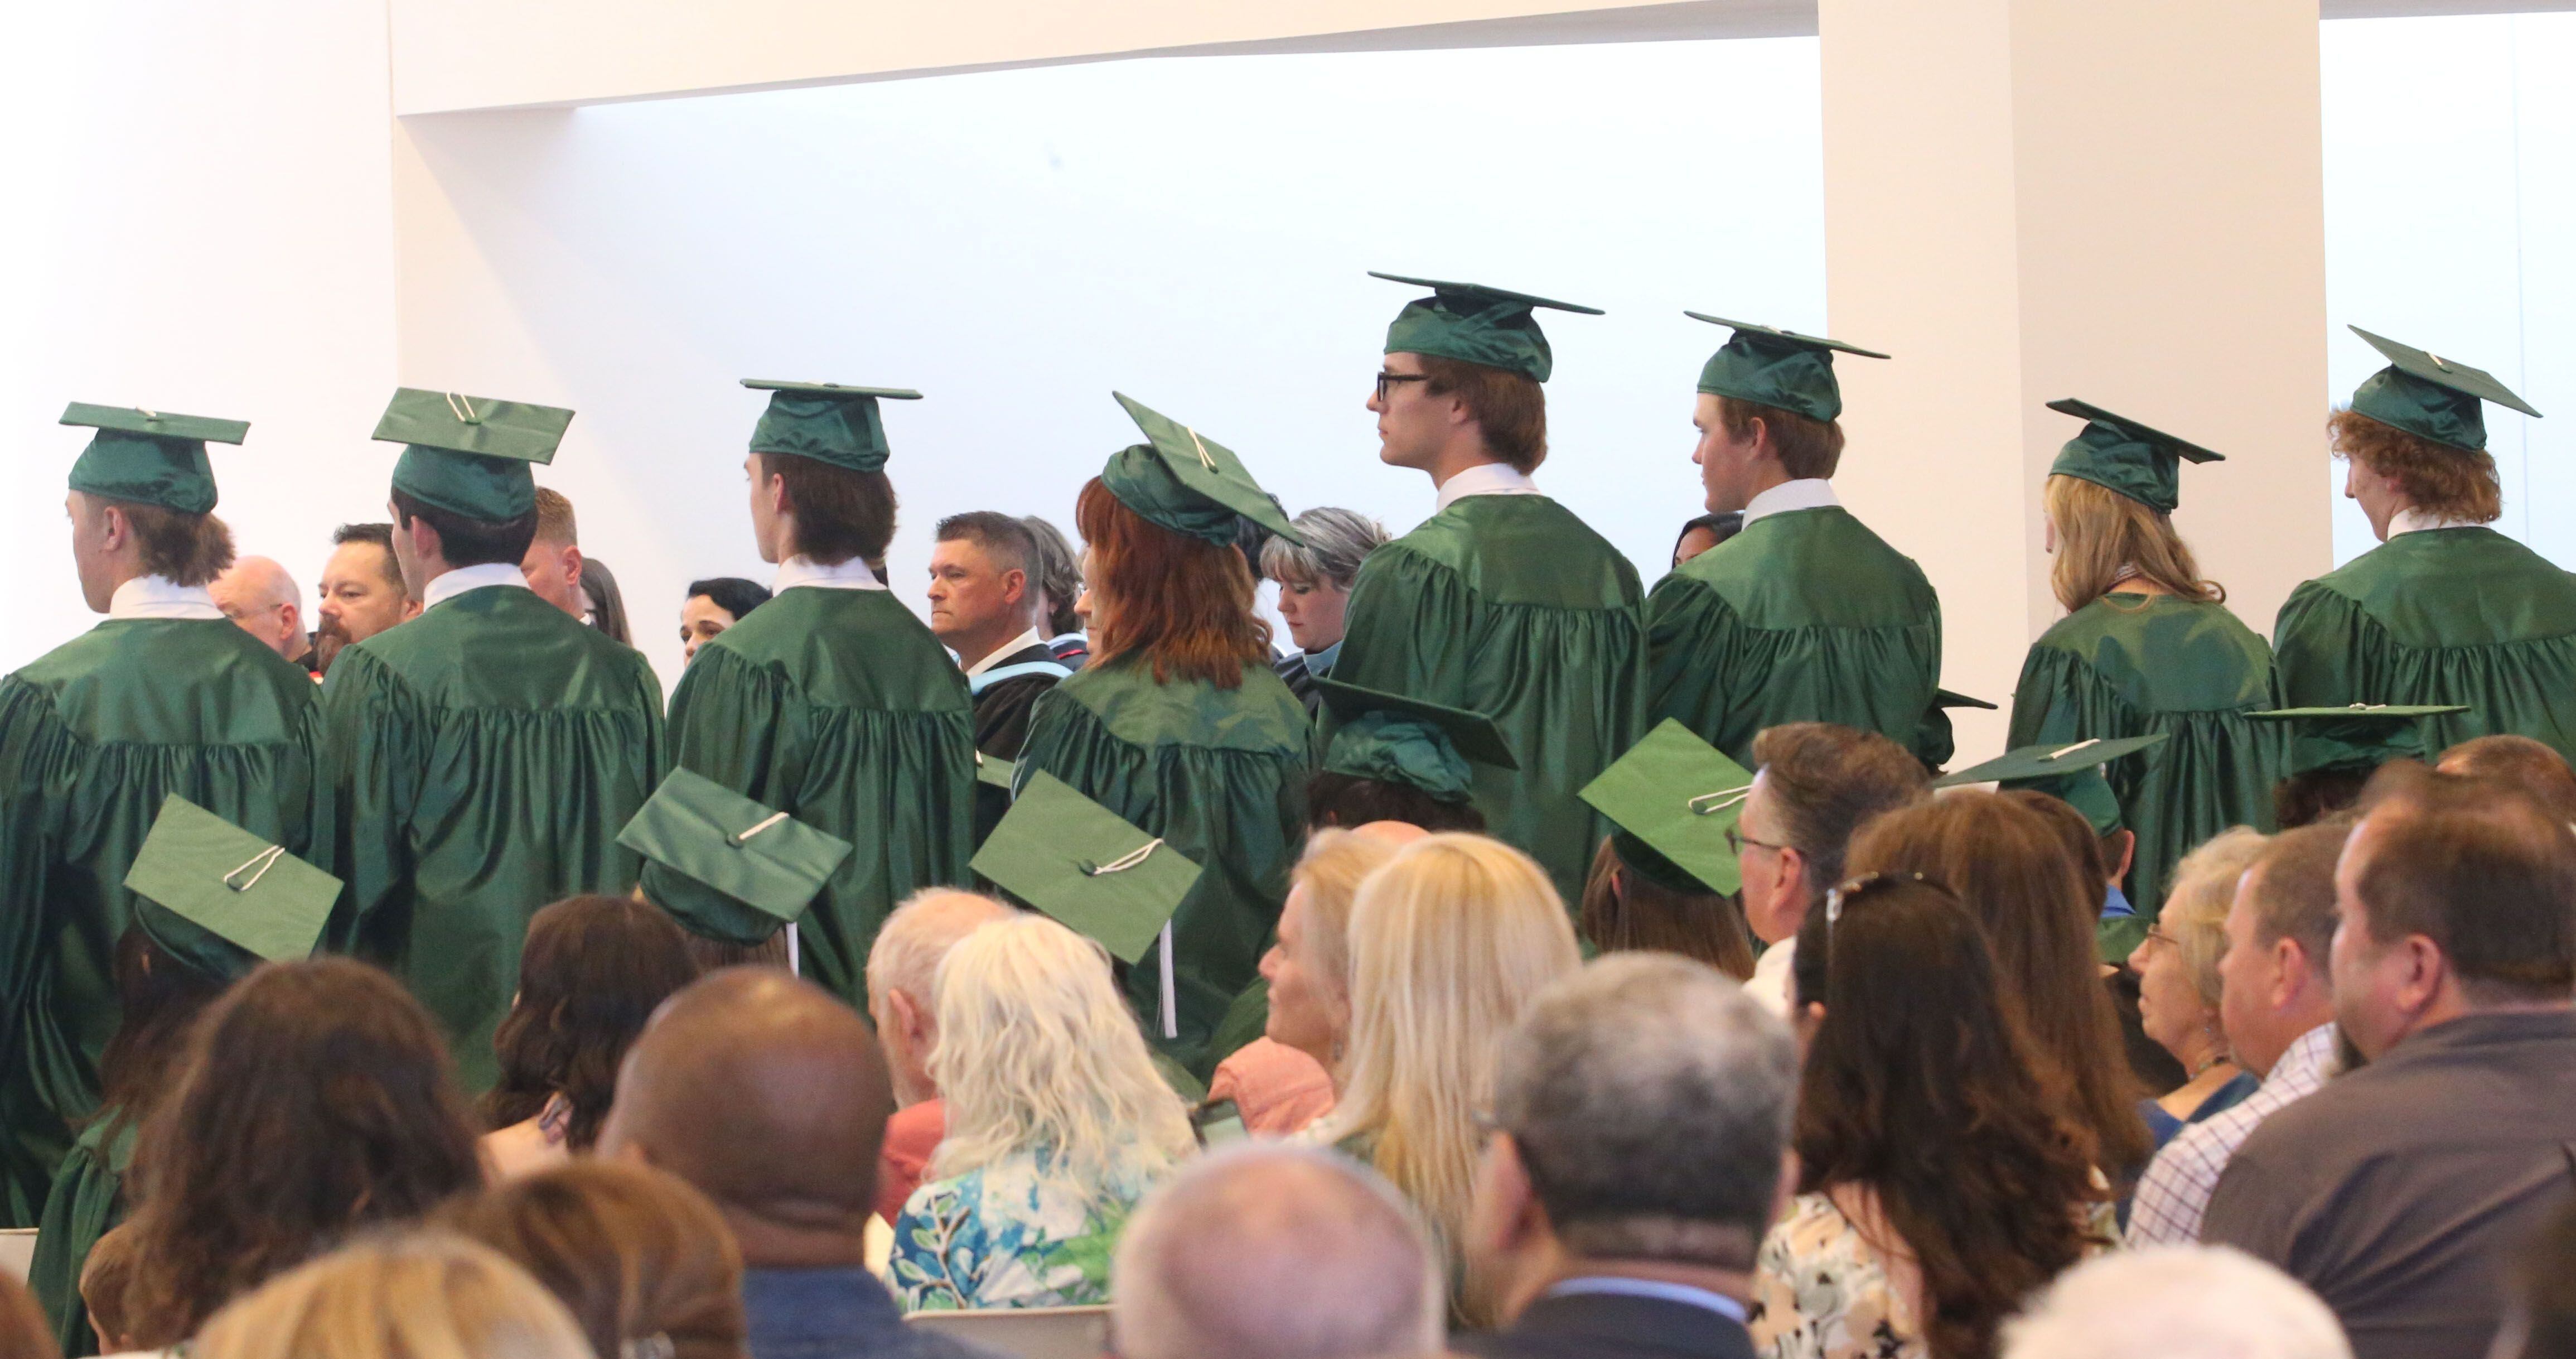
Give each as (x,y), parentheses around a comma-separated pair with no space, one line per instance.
(825,421)
(1181,480)
(1680,795)
(1472,323)
(221,899)
(1778,368)
(1084,865)
(149,457)
(746,856)
(2054,759)
(2430,367)
(2362,736)
(2135,459)
(1473,733)
(469,455)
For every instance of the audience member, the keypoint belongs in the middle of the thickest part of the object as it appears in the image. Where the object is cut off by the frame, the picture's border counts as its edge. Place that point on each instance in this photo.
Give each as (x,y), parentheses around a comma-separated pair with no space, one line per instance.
(2276,1001)
(2175,1302)
(1641,1107)
(984,600)
(553,561)
(22,1324)
(1058,1122)
(2532,766)
(1335,798)
(1315,587)
(1449,943)
(258,595)
(592,971)
(362,591)
(419,1296)
(1635,898)
(1706,531)
(713,605)
(603,604)
(2541,1321)
(1059,573)
(2178,985)
(317,1100)
(1939,1179)
(2116,934)
(1271,1252)
(1308,970)
(637,1255)
(104,1279)
(1814,786)
(903,970)
(769,1097)
(2400,1191)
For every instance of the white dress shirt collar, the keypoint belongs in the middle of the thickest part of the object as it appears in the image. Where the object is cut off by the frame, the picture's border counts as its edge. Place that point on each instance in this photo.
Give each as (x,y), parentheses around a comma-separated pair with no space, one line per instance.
(161,597)
(803,570)
(466,578)
(1806,493)
(1615,1286)
(1490,478)
(1012,647)
(2417,521)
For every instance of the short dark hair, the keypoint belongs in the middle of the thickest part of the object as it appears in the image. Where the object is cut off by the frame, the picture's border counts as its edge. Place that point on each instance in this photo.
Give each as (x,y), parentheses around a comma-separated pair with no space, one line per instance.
(1827,780)
(1349,801)
(2306,798)
(840,514)
(1509,407)
(470,542)
(2486,873)
(1808,447)
(1059,573)
(732,594)
(608,602)
(188,549)
(1006,539)
(379,535)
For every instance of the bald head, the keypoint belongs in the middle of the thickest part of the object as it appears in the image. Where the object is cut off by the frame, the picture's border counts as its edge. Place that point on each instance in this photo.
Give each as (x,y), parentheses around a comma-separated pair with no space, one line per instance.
(902,965)
(258,595)
(1275,1252)
(770,1097)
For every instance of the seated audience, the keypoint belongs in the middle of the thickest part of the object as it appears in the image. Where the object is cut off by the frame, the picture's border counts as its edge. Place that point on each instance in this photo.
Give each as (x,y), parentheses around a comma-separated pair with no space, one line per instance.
(1939,1178)
(1315,587)
(1640,1110)
(2400,1191)
(1449,943)
(713,605)
(362,591)
(1059,573)
(2532,766)
(317,1100)
(902,971)
(2115,937)
(1635,898)
(104,1278)
(415,1296)
(984,601)
(1308,970)
(258,595)
(637,1255)
(1058,1122)
(603,605)
(592,971)
(553,561)
(2178,991)
(2175,1302)
(1272,1252)
(769,1097)
(2541,1321)
(1814,785)
(2276,1002)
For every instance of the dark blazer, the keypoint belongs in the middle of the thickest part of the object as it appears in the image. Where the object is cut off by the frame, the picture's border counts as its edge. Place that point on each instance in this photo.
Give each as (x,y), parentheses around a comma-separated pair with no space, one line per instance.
(1611,1326)
(1002,707)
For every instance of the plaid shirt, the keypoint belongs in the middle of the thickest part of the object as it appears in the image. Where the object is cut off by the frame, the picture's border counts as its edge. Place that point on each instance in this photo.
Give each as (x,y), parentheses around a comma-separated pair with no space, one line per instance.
(2175,1190)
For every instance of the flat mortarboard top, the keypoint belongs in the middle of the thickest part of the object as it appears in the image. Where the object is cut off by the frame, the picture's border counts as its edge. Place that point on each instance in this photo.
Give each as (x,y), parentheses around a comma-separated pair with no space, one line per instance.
(149,457)
(1472,323)
(1086,866)
(1777,368)
(2138,461)
(2069,771)
(1180,479)
(1679,795)
(724,866)
(1421,745)
(2363,736)
(2431,397)
(222,900)
(469,455)
(825,421)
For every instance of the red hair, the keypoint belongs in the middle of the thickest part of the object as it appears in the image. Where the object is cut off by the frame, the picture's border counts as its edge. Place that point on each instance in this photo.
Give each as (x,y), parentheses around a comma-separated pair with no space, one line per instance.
(1183,604)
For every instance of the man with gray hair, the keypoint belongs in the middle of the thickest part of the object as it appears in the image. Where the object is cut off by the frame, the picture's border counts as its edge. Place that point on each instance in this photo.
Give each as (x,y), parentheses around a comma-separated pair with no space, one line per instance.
(2205,1302)
(1315,588)
(1641,1117)
(1270,1251)
(903,964)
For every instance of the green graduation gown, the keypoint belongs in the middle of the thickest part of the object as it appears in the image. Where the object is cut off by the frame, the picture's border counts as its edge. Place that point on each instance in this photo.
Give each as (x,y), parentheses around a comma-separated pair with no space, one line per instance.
(93,737)
(84,1204)
(2135,665)
(2459,615)
(1805,616)
(839,707)
(481,758)
(1510,606)
(1220,775)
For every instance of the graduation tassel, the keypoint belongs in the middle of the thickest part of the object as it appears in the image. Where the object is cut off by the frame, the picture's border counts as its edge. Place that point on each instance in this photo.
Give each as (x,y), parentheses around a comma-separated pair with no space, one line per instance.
(792,953)
(1171,1002)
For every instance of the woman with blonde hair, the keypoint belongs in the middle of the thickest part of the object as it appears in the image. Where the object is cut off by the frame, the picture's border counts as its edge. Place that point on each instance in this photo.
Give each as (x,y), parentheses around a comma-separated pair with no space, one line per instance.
(642,1258)
(1058,1122)
(2147,648)
(2177,967)
(1288,1078)
(1449,942)
(423,1295)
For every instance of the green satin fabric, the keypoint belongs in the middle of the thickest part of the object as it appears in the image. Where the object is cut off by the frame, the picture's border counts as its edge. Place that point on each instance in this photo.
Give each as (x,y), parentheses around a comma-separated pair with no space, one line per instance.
(1143,482)
(93,737)
(1218,774)
(1512,607)
(2135,665)
(1805,616)
(83,1205)
(147,469)
(2428,410)
(481,759)
(478,486)
(2462,615)
(839,708)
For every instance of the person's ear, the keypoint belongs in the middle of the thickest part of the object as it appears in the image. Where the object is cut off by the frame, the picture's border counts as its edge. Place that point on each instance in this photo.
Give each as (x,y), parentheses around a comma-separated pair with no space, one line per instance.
(572,562)
(911,1018)
(1793,871)
(1517,1219)
(2128,842)
(114,529)
(1015,588)
(2289,973)
(2424,974)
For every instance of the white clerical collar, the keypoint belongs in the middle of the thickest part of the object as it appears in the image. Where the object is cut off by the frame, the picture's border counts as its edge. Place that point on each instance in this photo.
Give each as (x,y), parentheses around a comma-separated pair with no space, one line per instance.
(466,578)
(161,597)
(803,570)
(2417,521)
(1806,493)
(1490,478)
(1012,647)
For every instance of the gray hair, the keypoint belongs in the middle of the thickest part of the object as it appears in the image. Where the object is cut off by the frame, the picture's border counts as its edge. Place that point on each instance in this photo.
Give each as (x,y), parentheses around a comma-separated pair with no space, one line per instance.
(918,935)
(1649,1098)
(2210,1302)
(1268,1251)
(1337,541)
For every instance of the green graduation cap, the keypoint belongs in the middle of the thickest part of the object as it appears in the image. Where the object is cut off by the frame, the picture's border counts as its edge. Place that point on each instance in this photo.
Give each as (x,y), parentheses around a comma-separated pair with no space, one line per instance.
(825,421)
(1472,323)
(2071,772)
(222,900)
(1186,482)
(469,455)
(1778,368)
(2431,397)
(2138,461)
(2363,736)
(724,866)
(149,457)
(1084,865)
(1938,742)
(1679,796)
(1395,739)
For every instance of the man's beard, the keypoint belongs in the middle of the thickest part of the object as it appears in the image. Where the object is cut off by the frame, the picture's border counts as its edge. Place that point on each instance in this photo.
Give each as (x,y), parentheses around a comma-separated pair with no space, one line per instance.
(328,639)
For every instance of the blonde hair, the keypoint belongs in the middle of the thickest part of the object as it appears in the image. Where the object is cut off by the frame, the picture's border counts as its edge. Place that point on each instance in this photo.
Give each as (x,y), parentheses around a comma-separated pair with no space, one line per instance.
(424,1295)
(1331,870)
(1449,943)
(2104,536)
(2195,910)
(1037,1053)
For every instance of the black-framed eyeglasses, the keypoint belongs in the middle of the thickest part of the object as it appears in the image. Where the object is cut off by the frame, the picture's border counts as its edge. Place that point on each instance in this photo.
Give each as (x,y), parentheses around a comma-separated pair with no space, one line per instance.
(1387,382)
(1736,840)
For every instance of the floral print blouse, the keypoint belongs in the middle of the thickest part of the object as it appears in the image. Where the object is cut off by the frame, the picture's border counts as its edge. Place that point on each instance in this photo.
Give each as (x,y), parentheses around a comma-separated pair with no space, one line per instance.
(1822,1291)
(1010,1234)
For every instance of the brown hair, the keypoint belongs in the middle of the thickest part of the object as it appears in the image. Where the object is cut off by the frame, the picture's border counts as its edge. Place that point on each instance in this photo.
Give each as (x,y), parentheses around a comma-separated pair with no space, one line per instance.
(2307,798)
(633,1252)
(1808,447)
(840,514)
(1826,782)
(1009,542)
(1625,910)
(1183,605)
(2103,535)
(2455,483)
(2014,874)
(1334,799)
(2532,766)
(317,1099)
(555,522)
(2487,874)
(105,1276)
(2296,872)
(188,549)
(470,542)
(24,1333)
(2074,831)
(590,974)
(1511,408)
